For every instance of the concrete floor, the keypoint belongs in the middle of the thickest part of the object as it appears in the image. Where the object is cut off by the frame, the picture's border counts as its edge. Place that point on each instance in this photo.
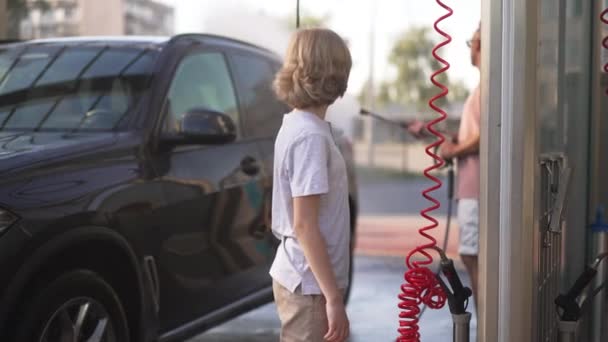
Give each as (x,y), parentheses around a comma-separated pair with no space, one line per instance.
(373,311)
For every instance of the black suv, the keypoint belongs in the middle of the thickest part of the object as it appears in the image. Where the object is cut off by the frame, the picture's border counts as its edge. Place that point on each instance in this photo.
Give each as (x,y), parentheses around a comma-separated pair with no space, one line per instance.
(135,184)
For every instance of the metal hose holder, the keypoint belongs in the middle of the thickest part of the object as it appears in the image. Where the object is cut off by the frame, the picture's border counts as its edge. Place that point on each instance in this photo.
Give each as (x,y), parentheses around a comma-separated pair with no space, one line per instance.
(457,296)
(597,301)
(574,304)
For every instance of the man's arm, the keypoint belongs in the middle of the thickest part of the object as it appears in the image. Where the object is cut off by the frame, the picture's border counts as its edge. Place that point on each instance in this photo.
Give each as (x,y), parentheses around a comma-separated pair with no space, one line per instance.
(467,147)
(451,150)
(472,117)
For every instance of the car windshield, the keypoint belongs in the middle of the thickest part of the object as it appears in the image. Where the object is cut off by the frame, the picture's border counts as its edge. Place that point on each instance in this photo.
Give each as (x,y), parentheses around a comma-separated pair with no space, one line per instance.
(71,88)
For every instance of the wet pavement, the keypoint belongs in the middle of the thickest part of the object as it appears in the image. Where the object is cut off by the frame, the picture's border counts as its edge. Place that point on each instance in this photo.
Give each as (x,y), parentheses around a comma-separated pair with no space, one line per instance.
(373,311)
(397,235)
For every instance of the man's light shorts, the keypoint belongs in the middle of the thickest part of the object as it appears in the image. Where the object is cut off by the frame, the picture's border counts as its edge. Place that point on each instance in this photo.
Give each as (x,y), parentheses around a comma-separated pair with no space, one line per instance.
(468,222)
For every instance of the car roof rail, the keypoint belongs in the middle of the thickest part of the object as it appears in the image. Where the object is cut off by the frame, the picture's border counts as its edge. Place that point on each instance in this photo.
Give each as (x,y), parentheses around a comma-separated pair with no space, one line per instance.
(200,37)
(11,41)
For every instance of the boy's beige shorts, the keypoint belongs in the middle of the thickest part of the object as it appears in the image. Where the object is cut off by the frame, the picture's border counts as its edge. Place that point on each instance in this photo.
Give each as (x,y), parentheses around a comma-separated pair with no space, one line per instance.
(303,318)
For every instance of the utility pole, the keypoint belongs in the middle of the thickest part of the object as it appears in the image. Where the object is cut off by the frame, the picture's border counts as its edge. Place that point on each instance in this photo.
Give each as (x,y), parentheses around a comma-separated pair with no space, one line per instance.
(3,19)
(371,98)
(297,14)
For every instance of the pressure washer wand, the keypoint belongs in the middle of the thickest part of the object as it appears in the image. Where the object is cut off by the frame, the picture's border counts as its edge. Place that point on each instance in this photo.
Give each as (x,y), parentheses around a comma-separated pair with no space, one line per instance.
(402,124)
(379,117)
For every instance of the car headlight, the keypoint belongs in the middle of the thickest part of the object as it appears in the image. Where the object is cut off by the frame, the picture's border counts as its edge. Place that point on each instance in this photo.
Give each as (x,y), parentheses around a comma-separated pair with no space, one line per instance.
(7,219)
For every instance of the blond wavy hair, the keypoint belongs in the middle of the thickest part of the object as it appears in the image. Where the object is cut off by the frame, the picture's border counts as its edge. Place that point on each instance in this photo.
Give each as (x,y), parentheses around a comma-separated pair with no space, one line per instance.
(315,71)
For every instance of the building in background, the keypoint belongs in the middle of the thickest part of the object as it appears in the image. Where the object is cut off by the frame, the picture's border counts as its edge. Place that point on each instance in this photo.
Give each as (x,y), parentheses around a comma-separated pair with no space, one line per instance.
(148,17)
(3,19)
(95,17)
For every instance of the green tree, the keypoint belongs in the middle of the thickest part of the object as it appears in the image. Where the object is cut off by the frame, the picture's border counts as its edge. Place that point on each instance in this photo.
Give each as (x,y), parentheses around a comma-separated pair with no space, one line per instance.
(412,57)
(19,10)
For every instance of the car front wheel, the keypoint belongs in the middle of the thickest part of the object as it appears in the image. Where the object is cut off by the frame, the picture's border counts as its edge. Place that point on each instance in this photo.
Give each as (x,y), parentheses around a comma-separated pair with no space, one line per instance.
(77,306)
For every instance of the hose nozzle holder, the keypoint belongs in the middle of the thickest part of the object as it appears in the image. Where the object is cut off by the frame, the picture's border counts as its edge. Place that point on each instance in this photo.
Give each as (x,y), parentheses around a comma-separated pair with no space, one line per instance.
(568,303)
(457,294)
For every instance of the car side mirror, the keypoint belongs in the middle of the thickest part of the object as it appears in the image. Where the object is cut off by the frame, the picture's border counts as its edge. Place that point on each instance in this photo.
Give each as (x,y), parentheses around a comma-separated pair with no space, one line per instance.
(203,126)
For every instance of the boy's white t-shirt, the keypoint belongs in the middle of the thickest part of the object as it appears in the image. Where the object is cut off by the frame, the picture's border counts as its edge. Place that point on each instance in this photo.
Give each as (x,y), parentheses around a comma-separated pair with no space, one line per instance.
(307,161)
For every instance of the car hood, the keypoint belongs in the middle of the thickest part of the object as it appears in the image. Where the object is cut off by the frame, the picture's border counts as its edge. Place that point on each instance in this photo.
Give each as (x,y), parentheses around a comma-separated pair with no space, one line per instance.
(20,150)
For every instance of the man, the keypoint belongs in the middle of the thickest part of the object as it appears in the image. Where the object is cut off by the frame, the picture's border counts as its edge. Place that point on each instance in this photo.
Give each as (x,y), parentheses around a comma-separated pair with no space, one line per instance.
(466,152)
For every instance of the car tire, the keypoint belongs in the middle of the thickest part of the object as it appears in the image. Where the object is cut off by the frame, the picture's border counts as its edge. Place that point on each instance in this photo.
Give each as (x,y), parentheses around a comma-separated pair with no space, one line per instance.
(78,299)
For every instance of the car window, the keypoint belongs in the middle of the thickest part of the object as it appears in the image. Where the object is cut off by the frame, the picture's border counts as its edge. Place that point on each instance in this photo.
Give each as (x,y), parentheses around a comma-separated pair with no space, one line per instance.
(68,66)
(70,88)
(263,112)
(202,80)
(25,68)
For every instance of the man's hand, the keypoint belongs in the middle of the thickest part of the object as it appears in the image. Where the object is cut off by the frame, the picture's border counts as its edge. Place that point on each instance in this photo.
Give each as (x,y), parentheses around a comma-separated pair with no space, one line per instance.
(416,128)
(337,321)
(448,150)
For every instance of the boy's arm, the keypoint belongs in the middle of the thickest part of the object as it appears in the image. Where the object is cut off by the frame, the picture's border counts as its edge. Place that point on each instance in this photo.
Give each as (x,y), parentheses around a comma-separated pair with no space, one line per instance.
(308,233)
(308,160)
(309,179)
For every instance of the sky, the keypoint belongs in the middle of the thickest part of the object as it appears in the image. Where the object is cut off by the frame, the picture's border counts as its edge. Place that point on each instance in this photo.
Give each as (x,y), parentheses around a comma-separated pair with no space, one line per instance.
(262,22)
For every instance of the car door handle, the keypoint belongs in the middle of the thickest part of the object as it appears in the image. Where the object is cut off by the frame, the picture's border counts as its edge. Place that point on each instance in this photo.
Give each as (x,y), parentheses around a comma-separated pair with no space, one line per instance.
(250,166)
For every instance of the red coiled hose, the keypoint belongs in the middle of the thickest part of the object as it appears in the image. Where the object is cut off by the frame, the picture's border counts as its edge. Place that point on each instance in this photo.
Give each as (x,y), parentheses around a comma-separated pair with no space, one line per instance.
(421,285)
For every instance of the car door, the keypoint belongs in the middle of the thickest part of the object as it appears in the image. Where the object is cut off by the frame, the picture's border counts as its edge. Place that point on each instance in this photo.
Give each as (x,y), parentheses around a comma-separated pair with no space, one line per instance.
(262,115)
(212,204)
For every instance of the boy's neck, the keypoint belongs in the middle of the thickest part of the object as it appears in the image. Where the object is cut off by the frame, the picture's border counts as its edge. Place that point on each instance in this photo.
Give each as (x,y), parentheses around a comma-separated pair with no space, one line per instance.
(319,111)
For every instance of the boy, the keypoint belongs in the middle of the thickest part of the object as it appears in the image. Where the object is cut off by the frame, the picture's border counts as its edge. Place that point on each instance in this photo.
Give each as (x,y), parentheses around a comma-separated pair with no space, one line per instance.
(310,213)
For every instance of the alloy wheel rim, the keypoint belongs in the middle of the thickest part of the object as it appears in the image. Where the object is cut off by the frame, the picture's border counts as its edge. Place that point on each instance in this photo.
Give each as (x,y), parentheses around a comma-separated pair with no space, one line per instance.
(79,320)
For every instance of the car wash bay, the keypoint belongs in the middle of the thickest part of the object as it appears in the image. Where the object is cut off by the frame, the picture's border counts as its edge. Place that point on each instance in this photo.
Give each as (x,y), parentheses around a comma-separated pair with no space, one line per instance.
(543,180)
(379,271)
